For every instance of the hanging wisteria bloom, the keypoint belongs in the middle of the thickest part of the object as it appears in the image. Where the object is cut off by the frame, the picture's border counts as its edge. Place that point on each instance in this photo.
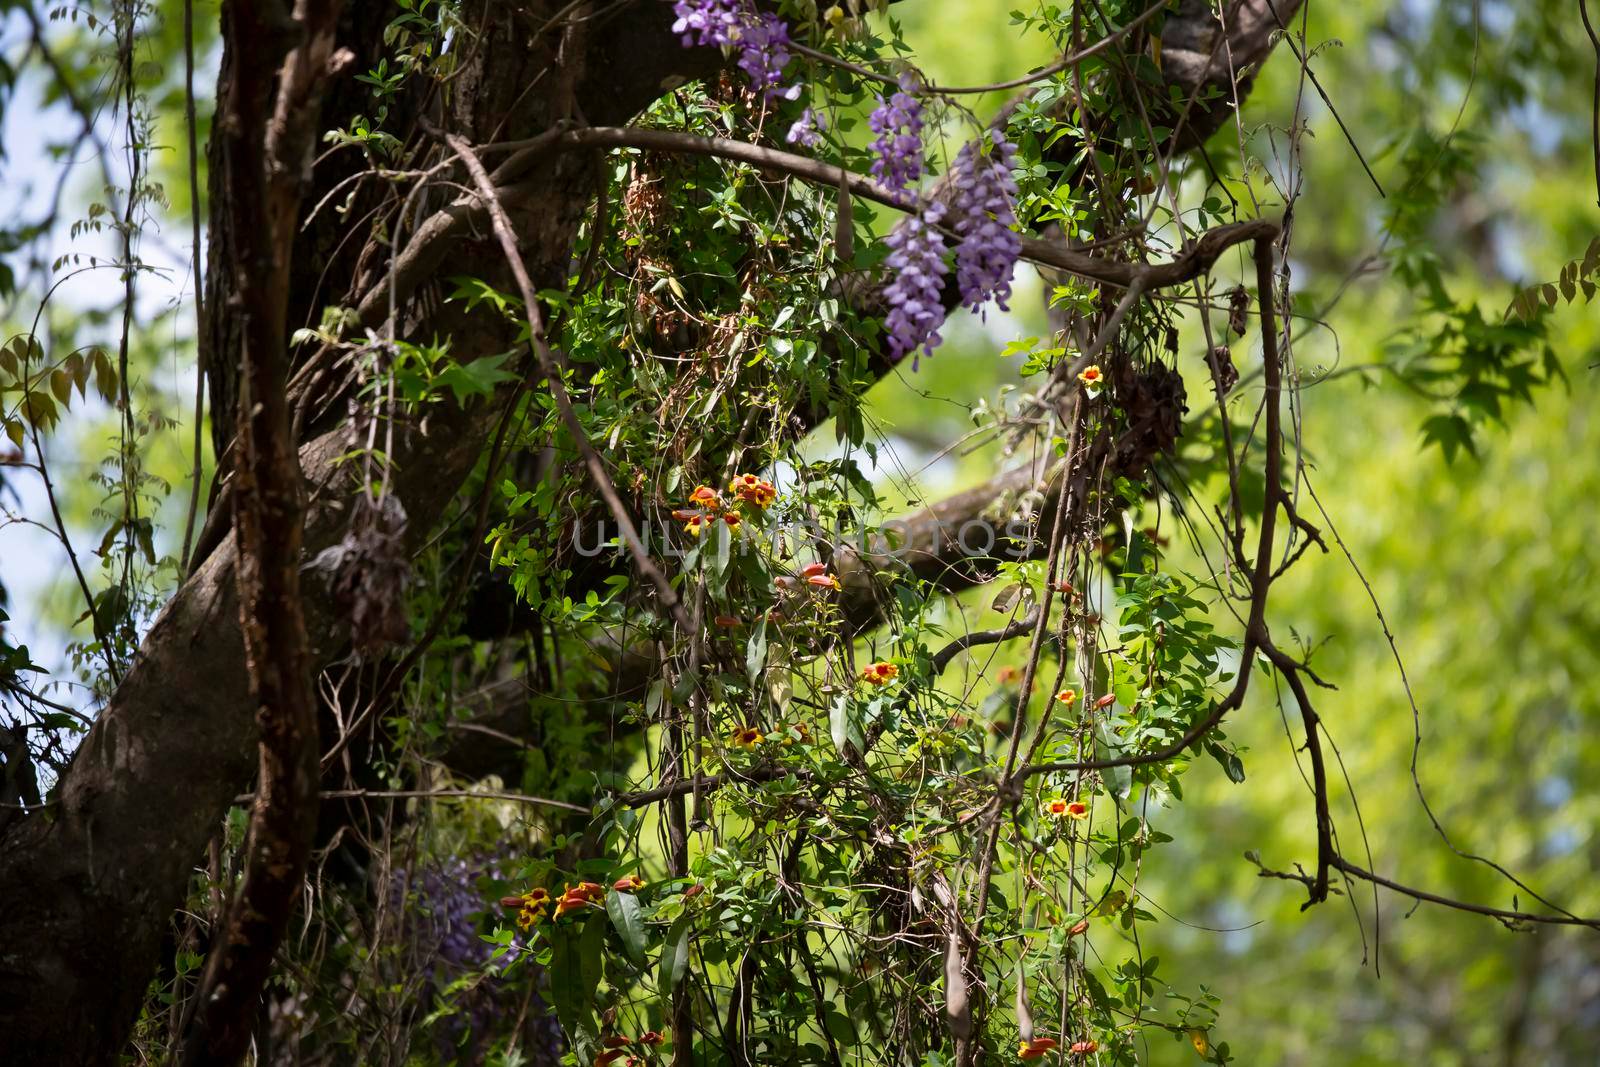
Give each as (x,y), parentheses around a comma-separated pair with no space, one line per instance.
(985,212)
(708,22)
(916,260)
(763,53)
(807,129)
(437,909)
(898,148)
(762,39)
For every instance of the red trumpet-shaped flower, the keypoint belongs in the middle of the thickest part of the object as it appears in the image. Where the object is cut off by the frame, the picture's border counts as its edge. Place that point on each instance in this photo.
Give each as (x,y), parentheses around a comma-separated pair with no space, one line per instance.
(880,673)
(753,490)
(1035,1049)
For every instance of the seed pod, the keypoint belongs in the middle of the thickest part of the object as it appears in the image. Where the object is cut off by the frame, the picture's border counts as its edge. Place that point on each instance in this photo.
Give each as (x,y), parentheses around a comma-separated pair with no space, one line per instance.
(1238,309)
(1226,375)
(957,1010)
(1024,1016)
(844,226)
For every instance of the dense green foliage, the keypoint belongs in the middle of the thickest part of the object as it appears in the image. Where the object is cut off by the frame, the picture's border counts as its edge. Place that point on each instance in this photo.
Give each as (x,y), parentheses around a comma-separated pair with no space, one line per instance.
(809,895)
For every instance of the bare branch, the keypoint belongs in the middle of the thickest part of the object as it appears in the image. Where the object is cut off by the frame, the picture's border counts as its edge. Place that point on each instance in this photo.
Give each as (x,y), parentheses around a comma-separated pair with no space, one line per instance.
(558,389)
(1507,915)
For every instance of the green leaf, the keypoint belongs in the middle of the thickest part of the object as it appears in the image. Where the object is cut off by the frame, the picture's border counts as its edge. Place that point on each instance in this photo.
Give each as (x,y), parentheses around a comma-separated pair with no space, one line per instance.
(1008,597)
(722,548)
(78,368)
(839,1025)
(1118,779)
(563,967)
(1232,765)
(575,964)
(39,409)
(1451,433)
(1112,903)
(475,291)
(477,378)
(105,376)
(627,918)
(591,958)
(843,727)
(755,656)
(779,688)
(675,955)
(144,536)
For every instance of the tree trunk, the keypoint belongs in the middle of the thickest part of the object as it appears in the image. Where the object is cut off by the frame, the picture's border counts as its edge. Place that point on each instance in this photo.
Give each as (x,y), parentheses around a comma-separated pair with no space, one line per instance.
(91,884)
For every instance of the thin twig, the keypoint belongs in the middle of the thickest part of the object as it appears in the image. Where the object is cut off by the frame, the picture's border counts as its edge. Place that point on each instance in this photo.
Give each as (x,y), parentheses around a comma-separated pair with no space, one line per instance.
(199,308)
(445,224)
(558,388)
(705,784)
(1015,83)
(1351,869)
(1319,771)
(1594,111)
(1255,635)
(969,641)
(1305,65)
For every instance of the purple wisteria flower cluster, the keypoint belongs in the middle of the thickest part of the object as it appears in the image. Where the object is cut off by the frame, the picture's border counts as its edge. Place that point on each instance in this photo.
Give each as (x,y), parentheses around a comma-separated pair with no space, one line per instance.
(807,129)
(763,53)
(898,148)
(982,210)
(985,212)
(984,215)
(439,906)
(762,39)
(916,259)
(708,22)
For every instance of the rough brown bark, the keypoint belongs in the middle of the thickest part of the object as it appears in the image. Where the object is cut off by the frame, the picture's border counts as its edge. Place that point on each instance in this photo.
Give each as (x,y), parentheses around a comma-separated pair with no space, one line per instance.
(267,136)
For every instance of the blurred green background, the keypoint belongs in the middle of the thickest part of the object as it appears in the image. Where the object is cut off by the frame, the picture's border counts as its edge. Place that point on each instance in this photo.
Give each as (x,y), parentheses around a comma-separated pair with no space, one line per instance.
(1484,568)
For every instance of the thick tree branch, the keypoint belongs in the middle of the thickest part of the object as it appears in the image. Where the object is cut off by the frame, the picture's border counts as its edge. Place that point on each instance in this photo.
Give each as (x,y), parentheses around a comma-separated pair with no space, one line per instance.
(266,150)
(1215,60)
